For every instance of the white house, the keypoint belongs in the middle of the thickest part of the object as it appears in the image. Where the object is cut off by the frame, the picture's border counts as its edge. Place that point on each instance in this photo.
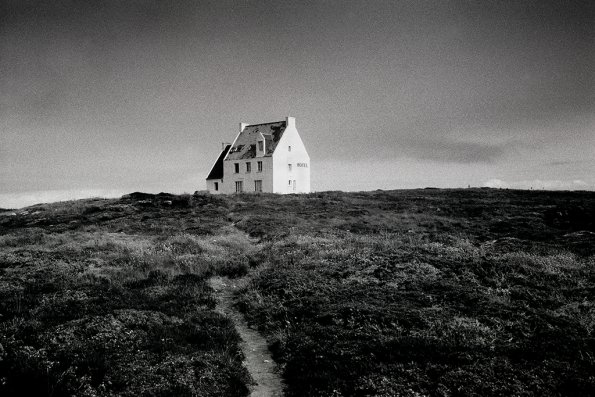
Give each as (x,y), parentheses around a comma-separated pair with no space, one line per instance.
(268,157)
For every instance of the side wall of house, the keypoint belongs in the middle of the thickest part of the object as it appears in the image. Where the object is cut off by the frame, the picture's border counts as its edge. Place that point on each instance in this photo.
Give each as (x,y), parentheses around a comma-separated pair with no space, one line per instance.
(297,157)
(211,186)
(248,178)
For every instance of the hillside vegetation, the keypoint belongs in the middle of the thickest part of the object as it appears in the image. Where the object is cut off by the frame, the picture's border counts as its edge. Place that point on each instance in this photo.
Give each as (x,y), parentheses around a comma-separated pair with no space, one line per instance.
(474,292)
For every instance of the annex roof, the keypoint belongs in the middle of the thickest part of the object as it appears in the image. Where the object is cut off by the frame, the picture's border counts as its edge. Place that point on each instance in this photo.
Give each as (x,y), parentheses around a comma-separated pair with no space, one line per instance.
(217,170)
(245,145)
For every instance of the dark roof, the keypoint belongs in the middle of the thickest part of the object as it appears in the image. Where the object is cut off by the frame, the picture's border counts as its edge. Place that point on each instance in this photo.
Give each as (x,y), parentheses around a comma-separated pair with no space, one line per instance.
(217,170)
(245,145)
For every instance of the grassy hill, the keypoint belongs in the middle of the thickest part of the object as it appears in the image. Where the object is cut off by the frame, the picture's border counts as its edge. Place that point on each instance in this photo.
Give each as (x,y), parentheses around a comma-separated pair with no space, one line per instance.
(418,292)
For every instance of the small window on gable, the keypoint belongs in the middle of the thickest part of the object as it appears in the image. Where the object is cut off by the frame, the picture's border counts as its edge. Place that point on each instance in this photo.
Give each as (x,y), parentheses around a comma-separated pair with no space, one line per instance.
(216,186)
(260,146)
(289,148)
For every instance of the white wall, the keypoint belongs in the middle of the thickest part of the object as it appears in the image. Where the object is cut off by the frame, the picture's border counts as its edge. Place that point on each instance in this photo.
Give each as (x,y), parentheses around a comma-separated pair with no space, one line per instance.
(282,157)
(211,186)
(248,178)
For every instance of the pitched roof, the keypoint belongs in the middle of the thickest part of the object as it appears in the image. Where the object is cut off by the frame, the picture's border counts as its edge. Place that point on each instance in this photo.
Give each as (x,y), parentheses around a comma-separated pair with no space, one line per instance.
(217,170)
(245,145)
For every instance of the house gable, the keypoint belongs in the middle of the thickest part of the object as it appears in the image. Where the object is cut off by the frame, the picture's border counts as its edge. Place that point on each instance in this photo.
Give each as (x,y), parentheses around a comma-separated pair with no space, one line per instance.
(291,163)
(291,139)
(217,169)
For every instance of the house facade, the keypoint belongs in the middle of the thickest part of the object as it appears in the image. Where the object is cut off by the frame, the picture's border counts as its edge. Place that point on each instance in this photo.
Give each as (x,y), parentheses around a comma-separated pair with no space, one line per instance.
(269,157)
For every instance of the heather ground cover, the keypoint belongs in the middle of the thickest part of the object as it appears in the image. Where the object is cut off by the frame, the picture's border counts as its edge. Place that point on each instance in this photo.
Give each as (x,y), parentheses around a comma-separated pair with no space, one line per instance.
(109,297)
(470,292)
(438,293)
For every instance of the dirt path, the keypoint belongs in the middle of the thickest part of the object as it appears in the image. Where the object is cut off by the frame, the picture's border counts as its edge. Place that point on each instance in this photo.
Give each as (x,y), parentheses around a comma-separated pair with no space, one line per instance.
(258,359)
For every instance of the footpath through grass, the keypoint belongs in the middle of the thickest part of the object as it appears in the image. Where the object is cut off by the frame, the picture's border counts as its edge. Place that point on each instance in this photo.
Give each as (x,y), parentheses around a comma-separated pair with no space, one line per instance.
(109,297)
(438,293)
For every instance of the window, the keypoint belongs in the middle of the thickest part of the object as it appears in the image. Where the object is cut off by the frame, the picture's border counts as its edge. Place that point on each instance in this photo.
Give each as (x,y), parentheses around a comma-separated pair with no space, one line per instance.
(216,186)
(294,185)
(289,148)
(290,182)
(239,186)
(258,186)
(289,167)
(248,167)
(236,167)
(259,164)
(260,146)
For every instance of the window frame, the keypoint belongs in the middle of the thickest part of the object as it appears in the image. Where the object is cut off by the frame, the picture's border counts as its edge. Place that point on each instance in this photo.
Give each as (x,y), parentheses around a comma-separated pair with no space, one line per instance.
(236,168)
(239,186)
(259,166)
(248,167)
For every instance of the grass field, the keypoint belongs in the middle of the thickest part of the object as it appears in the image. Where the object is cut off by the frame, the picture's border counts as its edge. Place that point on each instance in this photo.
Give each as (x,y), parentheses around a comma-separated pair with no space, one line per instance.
(474,292)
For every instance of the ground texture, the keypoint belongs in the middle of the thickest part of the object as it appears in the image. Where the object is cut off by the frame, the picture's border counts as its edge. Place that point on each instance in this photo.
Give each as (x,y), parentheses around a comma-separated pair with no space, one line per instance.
(257,357)
(471,292)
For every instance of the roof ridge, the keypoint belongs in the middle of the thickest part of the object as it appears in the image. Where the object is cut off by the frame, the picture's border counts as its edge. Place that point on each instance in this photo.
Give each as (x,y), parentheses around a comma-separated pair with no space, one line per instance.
(271,122)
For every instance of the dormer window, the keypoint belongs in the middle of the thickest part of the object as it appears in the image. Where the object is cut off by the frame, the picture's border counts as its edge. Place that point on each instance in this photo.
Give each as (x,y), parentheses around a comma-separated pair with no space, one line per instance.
(260,146)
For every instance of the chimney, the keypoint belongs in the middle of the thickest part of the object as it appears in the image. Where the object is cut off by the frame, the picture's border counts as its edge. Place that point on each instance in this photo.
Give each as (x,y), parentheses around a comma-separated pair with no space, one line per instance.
(290,122)
(242,126)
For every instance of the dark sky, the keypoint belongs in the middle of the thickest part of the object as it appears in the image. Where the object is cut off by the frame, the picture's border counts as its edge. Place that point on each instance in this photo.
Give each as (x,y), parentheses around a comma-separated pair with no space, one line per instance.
(107,97)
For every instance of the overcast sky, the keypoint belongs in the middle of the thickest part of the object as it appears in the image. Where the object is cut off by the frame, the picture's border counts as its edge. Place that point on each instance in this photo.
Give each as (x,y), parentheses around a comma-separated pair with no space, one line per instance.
(109,97)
